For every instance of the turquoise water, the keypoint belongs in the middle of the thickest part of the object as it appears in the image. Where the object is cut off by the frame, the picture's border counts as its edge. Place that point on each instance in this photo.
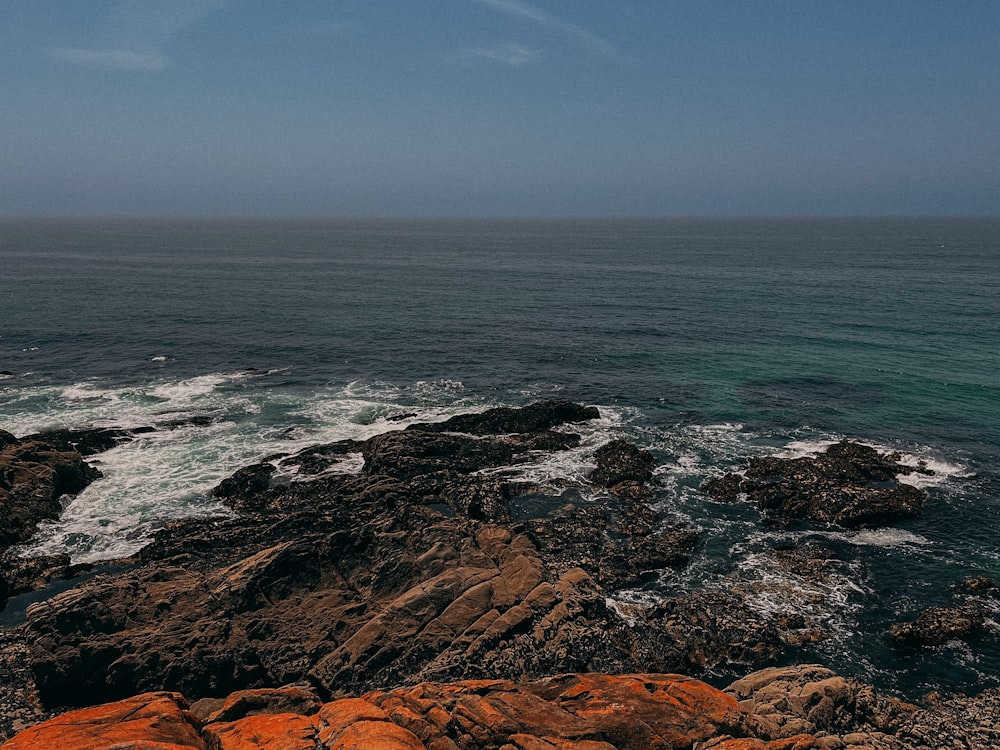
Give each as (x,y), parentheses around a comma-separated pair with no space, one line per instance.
(704,340)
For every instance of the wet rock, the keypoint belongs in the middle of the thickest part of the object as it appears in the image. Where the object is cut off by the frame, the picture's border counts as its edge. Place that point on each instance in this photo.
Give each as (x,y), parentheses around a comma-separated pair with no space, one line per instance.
(620,461)
(248,482)
(86,442)
(538,417)
(726,488)
(320,458)
(34,475)
(937,625)
(23,574)
(360,581)
(849,484)
(980,587)
(709,628)
(356,581)
(810,561)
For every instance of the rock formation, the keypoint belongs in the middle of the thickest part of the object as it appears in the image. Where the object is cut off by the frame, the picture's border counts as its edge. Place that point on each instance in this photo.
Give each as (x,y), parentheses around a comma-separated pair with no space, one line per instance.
(428,600)
(790,708)
(420,567)
(849,484)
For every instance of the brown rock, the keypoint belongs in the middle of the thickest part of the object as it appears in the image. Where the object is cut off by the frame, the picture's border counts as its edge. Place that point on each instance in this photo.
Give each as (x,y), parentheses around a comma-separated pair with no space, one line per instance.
(937,625)
(356,582)
(33,476)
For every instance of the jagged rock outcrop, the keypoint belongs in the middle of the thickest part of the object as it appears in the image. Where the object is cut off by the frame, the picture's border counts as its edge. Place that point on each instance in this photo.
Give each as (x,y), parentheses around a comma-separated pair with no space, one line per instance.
(849,484)
(414,569)
(33,476)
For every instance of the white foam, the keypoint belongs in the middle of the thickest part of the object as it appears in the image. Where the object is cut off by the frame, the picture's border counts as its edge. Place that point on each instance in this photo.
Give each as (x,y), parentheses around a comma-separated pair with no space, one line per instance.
(89,392)
(187,391)
(803,448)
(944,470)
(888,538)
(556,469)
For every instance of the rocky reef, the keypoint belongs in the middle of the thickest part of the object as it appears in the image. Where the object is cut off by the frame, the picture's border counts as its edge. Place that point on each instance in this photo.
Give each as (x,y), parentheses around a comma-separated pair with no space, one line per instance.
(849,484)
(432,600)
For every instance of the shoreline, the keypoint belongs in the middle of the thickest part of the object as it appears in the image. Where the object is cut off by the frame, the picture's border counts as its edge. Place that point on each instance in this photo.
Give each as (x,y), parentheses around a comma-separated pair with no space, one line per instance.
(426,567)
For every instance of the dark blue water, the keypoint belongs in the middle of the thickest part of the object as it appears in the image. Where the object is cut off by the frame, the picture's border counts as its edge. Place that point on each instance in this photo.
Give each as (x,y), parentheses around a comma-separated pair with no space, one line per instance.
(704,340)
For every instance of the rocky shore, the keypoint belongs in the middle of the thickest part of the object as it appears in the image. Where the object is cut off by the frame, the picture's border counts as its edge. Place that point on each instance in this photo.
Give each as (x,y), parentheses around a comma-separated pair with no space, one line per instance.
(429,600)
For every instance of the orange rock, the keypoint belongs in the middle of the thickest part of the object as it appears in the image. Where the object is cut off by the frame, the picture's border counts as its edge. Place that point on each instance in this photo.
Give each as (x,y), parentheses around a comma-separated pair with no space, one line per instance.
(335,717)
(151,721)
(798,742)
(639,711)
(530,742)
(376,735)
(263,732)
(285,700)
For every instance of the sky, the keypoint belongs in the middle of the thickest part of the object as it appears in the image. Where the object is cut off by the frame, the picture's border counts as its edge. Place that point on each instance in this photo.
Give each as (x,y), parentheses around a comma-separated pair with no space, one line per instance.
(499,107)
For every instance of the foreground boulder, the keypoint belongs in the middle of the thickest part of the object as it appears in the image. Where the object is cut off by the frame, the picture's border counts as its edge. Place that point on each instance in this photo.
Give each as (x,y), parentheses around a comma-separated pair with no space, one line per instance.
(569,712)
(849,484)
(803,707)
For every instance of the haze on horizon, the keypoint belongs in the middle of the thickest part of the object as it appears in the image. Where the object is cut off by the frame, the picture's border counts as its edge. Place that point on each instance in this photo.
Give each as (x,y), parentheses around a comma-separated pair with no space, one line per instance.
(499,107)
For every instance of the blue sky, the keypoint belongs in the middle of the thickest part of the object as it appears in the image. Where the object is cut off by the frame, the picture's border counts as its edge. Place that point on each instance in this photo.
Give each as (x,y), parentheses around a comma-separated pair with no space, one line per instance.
(499,107)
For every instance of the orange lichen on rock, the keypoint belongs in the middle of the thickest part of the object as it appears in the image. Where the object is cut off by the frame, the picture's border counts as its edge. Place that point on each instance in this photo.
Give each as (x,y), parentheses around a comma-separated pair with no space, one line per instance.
(151,721)
(263,732)
(567,712)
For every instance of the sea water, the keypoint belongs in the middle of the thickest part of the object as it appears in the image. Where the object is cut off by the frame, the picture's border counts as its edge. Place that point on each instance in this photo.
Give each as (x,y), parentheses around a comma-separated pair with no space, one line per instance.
(705,341)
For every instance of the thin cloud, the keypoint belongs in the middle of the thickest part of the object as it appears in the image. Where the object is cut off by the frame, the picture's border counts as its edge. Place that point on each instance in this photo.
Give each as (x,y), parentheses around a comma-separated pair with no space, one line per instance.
(520,9)
(137,32)
(119,59)
(508,54)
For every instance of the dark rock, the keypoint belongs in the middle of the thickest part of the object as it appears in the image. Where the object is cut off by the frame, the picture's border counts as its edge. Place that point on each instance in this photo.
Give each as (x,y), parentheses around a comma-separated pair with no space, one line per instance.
(980,586)
(85,442)
(849,485)
(619,461)
(319,458)
(708,628)
(400,417)
(195,420)
(725,488)
(247,482)
(24,574)
(34,475)
(937,625)
(359,581)
(543,415)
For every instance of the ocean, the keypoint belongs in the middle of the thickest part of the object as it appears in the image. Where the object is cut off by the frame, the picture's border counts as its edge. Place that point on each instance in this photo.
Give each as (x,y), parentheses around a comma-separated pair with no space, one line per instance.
(706,341)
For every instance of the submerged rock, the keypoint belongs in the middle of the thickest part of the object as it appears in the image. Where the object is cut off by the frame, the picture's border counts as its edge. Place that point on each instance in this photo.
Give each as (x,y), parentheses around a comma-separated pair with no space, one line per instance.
(937,625)
(849,484)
